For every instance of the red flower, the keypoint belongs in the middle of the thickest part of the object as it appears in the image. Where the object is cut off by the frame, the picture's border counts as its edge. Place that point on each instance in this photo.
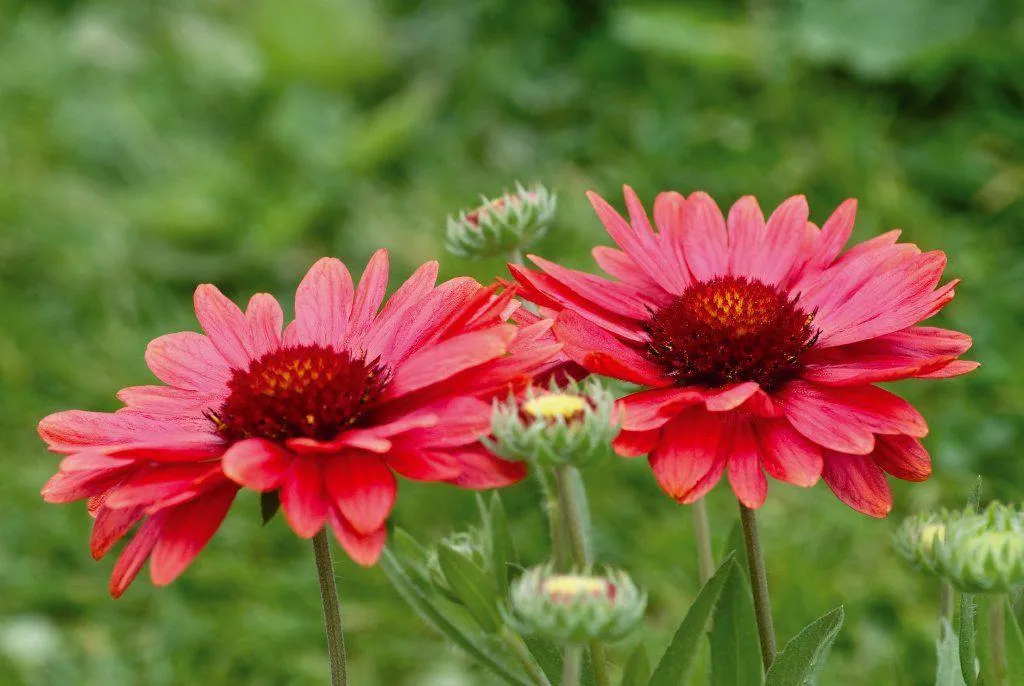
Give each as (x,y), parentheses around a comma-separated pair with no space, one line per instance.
(324,414)
(759,345)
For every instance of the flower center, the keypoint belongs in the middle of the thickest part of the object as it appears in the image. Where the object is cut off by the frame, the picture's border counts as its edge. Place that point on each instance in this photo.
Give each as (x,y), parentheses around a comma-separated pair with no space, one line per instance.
(552,406)
(568,588)
(306,391)
(730,329)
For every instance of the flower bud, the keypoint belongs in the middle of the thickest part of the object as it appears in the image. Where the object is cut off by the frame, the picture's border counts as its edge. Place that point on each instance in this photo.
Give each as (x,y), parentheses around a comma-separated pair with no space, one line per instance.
(501,225)
(915,541)
(470,544)
(983,553)
(556,427)
(575,608)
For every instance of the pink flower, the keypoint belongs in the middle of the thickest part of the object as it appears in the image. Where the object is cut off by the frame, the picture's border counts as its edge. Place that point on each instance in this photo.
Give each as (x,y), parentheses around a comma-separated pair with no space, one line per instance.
(324,414)
(758,345)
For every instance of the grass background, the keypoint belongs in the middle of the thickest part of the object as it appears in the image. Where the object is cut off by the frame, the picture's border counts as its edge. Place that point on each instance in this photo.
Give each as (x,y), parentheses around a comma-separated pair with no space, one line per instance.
(146,147)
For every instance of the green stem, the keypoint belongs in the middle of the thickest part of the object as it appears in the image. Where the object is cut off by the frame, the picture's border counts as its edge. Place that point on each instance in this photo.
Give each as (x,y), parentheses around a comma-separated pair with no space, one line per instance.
(521,653)
(702,531)
(946,601)
(571,516)
(571,665)
(559,550)
(997,640)
(759,581)
(332,611)
(578,544)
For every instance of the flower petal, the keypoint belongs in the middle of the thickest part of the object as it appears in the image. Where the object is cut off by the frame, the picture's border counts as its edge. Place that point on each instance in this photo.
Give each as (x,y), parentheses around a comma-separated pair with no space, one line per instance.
(479,469)
(686,453)
(110,525)
(746,233)
(635,443)
(783,239)
(705,242)
(304,499)
(786,454)
(369,295)
(265,322)
(225,326)
(186,531)
(651,409)
(362,488)
(904,457)
(135,554)
(323,304)
(364,549)
(744,464)
(858,482)
(188,360)
(257,464)
(600,352)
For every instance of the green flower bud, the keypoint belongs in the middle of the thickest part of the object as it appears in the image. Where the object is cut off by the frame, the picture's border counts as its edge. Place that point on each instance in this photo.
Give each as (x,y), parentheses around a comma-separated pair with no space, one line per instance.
(915,541)
(575,608)
(983,553)
(513,221)
(556,427)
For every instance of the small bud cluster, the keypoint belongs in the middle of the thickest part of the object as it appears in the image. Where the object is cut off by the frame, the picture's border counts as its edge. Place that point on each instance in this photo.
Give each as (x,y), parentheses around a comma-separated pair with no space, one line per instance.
(501,225)
(977,552)
(575,608)
(556,427)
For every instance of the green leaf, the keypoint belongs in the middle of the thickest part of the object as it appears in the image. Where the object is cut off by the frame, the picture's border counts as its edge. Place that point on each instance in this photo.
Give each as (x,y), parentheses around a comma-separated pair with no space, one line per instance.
(974,500)
(735,649)
(475,645)
(1014,647)
(800,660)
(270,503)
(983,613)
(548,656)
(735,544)
(968,651)
(472,586)
(948,673)
(638,668)
(679,657)
(503,551)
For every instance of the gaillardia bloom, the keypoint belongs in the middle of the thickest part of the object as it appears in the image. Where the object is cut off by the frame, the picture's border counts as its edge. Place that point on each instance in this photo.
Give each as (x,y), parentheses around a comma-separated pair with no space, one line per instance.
(758,344)
(322,414)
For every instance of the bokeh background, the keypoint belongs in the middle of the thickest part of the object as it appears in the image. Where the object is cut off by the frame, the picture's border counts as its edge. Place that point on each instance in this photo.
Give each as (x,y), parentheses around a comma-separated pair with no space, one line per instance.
(149,146)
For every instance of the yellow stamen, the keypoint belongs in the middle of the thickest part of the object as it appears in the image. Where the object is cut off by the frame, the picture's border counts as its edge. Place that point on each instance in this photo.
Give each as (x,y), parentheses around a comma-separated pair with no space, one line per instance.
(554,405)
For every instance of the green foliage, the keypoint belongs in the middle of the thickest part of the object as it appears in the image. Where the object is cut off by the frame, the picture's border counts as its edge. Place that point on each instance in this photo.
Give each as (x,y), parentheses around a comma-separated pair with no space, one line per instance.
(948,671)
(675,665)
(735,655)
(147,147)
(799,663)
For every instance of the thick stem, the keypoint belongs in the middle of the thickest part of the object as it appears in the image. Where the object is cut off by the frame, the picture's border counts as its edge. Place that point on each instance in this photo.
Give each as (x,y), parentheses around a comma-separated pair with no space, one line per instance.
(515,256)
(946,601)
(578,544)
(571,516)
(521,653)
(997,640)
(332,612)
(702,531)
(571,665)
(759,581)
(559,550)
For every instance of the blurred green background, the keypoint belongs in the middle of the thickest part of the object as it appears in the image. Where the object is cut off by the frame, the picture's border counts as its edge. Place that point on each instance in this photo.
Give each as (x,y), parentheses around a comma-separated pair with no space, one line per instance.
(149,146)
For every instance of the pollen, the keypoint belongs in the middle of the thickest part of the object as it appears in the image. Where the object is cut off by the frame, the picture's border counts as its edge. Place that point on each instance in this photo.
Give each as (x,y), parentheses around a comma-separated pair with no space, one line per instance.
(298,392)
(553,406)
(731,329)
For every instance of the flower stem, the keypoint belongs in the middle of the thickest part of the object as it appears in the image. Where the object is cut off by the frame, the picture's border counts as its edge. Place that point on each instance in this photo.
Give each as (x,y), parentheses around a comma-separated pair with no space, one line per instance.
(578,544)
(702,531)
(559,551)
(332,611)
(997,639)
(571,664)
(759,580)
(515,644)
(946,601)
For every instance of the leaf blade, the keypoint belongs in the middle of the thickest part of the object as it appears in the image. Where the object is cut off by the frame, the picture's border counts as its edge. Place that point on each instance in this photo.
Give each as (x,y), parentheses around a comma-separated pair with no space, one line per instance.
(802,657)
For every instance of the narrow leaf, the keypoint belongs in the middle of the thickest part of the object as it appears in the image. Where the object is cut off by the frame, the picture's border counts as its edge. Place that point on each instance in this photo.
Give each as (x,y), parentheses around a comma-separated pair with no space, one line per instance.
(503,552)
(679,657)
(735,544)
(1014,647)
(947,672)
(968,651)
(800,660)
(474,645)
(472,586)
(982,617)
(974,500)
(547,655)
(638,669)
(735,650)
